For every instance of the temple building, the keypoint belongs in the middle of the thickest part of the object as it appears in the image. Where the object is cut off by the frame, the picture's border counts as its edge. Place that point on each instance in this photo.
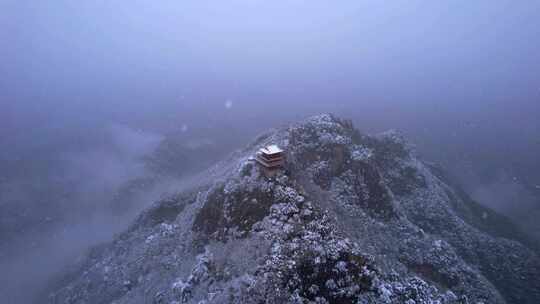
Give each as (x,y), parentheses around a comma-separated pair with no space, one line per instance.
(271,159)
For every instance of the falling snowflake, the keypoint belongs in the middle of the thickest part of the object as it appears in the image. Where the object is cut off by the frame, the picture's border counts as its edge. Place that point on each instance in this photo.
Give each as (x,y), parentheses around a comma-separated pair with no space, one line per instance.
(184,128)
(228,104)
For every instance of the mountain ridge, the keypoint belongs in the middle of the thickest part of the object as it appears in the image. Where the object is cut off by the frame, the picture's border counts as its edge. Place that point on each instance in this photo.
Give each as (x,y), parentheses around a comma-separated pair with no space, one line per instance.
(352,219)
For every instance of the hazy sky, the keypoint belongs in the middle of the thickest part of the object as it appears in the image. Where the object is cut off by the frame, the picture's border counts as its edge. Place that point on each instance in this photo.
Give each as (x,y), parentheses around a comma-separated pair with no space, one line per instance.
(72,65)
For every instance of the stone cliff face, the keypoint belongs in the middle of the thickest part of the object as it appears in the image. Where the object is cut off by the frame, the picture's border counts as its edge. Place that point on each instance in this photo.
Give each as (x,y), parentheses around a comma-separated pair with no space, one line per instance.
(352,219)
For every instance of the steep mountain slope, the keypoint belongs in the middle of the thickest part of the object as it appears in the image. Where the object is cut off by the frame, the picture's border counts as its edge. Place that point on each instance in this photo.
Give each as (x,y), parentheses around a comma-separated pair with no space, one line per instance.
(352,219)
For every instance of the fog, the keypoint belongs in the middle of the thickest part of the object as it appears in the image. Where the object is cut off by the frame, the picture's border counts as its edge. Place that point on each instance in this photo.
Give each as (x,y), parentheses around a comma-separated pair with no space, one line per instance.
(89,90)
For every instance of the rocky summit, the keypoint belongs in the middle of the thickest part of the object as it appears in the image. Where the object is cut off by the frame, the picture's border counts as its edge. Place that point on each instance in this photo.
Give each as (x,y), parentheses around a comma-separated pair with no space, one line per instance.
(351,218)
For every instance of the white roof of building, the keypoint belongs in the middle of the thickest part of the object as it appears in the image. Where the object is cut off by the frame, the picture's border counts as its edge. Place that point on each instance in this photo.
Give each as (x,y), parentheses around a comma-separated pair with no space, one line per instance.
(273,149)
